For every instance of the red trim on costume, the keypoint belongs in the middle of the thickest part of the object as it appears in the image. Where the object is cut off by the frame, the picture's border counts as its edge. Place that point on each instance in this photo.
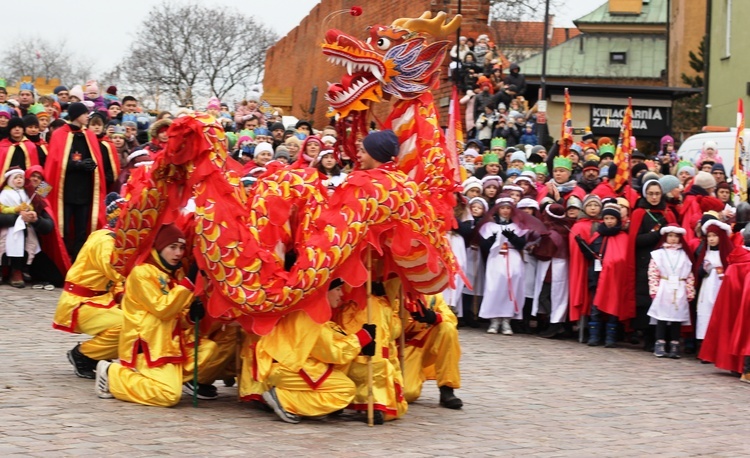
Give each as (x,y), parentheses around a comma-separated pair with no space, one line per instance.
(186,283)
(380,407)
(399,392)
(315,384)
(364,337)
(80,290)
(252,397)
(153,363)
(438,319)
(386,352)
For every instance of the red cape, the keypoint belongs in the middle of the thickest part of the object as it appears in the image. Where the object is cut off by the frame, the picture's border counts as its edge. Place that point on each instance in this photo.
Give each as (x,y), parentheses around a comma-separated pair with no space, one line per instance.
(580,301)
(605,191)
(52,244)
(690,214)
(32,157)
(613,295)
(54,171)
(114,160)
(726,340)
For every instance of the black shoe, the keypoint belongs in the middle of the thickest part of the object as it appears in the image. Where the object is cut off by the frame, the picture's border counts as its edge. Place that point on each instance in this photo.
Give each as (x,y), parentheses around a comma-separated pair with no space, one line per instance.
(205,392)
(229,382)
(554,330)
(674,349)
(448,399)
(83,366)
(378,418)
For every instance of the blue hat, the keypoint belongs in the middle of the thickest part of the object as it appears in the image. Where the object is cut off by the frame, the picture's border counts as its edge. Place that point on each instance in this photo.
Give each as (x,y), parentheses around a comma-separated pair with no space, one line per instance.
(26,87)
(262,131)
(382,145)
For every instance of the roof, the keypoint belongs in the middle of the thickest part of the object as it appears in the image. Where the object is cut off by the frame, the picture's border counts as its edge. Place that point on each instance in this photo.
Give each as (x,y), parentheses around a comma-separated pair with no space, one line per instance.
(646,57)
(653,12)
(528,34)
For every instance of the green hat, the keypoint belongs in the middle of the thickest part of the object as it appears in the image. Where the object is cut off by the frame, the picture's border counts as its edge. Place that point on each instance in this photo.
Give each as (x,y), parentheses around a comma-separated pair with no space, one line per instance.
(489,158)
(529,167)
(541,169)
(682,164)
(232,138)
(607,148)
(498,142)
(562,162)
(247,133)
(3,84)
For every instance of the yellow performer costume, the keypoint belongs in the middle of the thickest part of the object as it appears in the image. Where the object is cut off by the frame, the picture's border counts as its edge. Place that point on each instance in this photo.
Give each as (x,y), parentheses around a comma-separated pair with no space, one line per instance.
(389,402)
(298,365)
(155,359)
(88,303)
(432,352)
(222,366)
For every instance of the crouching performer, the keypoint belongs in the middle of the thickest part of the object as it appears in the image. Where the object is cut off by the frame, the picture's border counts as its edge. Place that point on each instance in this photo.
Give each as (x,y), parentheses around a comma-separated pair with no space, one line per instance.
(157,308)
(299,364)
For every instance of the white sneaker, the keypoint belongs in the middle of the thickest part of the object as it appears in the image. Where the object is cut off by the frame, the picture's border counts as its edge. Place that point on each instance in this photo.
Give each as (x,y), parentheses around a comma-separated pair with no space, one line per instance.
(494,326)
(507,331)
(101,384)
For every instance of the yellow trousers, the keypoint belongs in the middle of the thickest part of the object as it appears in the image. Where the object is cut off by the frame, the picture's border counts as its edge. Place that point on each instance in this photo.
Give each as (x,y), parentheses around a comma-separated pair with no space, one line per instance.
(105,326)
(387,386)
(436,359)
(249,388)
(298,397)
(222,364)
(157,386)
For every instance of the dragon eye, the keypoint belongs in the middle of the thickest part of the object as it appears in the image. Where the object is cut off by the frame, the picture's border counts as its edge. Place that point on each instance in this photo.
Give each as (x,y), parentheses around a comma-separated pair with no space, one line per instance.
(384,43)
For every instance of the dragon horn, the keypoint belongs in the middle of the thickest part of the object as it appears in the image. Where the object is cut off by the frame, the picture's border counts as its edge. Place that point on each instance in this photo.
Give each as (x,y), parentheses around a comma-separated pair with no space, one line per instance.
(434,26)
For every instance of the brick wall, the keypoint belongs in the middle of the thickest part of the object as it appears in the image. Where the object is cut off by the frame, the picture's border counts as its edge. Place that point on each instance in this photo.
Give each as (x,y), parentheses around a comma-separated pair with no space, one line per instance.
(296,61)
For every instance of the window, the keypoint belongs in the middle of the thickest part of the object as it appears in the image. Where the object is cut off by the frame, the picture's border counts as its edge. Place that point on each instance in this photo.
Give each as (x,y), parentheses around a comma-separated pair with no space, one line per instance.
(728,30)
(618,58)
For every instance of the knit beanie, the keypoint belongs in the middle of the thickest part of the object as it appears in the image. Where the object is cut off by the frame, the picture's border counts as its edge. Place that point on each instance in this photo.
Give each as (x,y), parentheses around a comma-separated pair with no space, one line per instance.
(669,183)
(705,180)
(168,234)
(382,145)
(112,202)
(686,168)
(711,204)
(112,90)
(30,120)
(75,110)
(638,168)
(15,122)
(479,200)
(612,210)
(59,89)
(282,152)
(591,198)
(471,183)
(718,167)
(518,156)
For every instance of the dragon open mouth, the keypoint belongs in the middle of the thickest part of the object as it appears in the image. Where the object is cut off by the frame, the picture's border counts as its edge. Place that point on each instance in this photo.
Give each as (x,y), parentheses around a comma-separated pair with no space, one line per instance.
(365,72)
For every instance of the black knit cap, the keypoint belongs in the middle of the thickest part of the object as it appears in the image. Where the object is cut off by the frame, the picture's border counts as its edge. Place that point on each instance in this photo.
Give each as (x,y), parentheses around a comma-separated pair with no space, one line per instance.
(15,121)
(30,120)
(75,110)
(381,145)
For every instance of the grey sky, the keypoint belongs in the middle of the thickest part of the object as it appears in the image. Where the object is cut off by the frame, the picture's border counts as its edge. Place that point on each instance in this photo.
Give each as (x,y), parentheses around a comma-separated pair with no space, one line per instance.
(102,31)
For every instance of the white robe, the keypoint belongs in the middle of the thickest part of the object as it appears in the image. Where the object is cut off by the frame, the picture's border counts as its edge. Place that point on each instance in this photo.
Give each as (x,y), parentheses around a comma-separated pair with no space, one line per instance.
(504,284)
(559,289)
(671,302)
(452,296)
(707,295)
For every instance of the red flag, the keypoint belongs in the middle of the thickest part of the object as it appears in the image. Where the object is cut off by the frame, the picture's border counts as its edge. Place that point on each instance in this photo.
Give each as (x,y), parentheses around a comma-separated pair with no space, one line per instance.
(740,176)
(454,135)
(566,138)
(624,148)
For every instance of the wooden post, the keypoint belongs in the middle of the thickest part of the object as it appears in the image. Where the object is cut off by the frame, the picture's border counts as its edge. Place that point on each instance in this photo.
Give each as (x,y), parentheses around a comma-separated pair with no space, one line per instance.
(370,399)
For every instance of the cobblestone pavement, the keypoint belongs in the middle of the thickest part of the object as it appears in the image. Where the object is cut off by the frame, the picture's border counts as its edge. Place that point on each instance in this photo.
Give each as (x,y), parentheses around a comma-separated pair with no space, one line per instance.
(522,396)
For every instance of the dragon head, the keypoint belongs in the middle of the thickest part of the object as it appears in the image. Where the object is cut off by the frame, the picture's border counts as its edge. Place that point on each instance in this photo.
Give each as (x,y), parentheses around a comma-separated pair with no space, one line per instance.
(395,59)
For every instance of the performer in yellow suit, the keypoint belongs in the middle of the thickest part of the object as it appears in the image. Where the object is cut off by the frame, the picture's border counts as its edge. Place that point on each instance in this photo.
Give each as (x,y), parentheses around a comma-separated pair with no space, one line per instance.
(388,381)
(154,360)
(89,303)
(297,364)
(432,351)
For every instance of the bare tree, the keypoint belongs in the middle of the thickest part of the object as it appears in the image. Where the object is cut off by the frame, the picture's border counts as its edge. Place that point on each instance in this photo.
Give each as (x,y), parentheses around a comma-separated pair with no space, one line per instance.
(190,49)
(519,10)
(36,57)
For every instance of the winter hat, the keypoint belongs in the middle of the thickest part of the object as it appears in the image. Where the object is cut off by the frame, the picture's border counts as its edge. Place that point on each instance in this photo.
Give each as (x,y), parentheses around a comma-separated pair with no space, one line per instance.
(574,202)
(168,234)
(603,141)
(672,228)
(718,168)
(555,210)
(480,200)
(276,126)
(591,198)
(158,126)
(91,86)
(30,120)
(711,204)
(282,151)
(492,180)
(527,203)
(12,172)
(328,139)
(537,149)
(119,130)
(490,158)
(669,183)
(15,122)
(709,144)
(638,168)
(648,176)
(525,178)
(611,210)
(38,110)
(59,89)
(667,139)
(263,146)
(471,183)
(591,165)
(705,180)
(647,184)
(513,172)
(512,187)
(518,156)
(75,110)
(686,168)
(214,103)
(112,202)
(715,226)
(381,145)
(112,90)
